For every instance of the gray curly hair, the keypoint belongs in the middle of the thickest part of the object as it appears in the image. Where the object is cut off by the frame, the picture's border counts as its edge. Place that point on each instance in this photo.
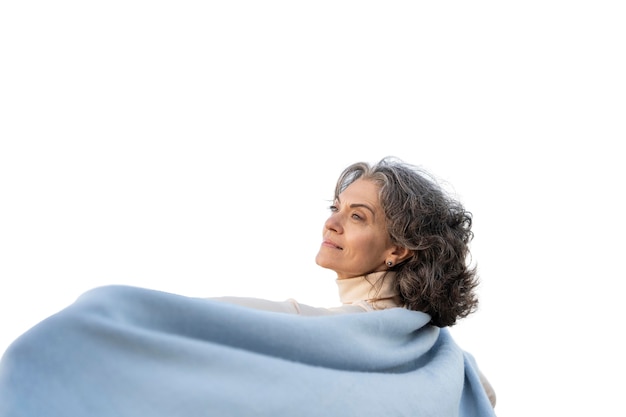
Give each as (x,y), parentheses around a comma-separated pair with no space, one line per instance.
(421,216)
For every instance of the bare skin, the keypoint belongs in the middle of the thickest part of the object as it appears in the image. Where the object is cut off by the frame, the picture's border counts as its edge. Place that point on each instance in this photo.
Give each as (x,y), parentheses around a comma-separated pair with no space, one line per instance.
(355,238)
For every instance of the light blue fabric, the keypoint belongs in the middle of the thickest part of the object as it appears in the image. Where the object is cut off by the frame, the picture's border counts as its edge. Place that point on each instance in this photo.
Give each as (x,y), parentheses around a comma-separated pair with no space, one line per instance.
(130,352)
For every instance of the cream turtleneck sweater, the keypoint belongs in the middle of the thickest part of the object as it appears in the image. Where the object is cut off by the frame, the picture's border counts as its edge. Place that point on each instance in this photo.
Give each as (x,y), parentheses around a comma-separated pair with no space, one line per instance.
(375,291)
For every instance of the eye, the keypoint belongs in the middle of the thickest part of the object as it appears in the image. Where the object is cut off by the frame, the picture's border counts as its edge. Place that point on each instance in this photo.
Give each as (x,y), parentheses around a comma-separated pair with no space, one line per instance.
(333,208)
(356,216)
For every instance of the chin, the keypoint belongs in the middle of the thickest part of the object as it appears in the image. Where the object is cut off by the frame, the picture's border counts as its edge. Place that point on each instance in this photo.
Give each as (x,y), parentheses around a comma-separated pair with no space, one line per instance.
(319,260)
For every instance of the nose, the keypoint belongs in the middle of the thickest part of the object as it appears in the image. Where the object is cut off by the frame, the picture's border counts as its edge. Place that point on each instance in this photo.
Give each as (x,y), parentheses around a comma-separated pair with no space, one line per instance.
(333,223)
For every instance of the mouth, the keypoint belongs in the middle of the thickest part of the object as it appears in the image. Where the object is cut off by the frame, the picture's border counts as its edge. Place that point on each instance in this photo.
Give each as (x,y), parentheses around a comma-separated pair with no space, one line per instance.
(331,244)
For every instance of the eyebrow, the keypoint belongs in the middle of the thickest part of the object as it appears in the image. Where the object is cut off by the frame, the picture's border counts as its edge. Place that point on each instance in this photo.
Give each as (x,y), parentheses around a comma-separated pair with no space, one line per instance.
(357,205)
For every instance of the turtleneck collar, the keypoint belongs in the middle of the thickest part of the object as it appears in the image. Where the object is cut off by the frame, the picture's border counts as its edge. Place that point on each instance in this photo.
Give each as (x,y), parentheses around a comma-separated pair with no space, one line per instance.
(371,288)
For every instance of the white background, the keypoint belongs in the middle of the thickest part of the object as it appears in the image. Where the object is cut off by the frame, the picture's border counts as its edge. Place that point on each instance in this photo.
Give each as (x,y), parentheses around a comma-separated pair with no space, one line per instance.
(191,147)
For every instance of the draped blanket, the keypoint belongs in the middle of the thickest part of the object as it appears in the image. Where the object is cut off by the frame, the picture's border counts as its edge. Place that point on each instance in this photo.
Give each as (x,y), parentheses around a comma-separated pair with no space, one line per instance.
(130,352)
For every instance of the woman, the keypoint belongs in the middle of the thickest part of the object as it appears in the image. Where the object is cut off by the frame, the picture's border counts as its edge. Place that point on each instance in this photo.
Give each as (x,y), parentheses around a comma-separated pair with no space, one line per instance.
(398,244)
(395,238)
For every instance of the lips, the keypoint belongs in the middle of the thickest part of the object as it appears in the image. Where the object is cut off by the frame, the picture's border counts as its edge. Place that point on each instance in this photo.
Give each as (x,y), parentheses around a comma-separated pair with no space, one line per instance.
(331,244)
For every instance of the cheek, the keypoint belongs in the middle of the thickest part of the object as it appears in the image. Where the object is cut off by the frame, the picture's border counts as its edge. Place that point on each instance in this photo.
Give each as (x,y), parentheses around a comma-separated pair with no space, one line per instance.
(369,245)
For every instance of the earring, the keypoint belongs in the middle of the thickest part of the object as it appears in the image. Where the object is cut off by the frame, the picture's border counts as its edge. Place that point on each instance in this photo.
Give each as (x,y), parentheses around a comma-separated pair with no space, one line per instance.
(389,263)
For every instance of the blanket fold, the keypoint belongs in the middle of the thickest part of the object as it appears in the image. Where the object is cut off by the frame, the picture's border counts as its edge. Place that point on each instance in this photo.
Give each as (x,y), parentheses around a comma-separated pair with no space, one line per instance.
(132,352)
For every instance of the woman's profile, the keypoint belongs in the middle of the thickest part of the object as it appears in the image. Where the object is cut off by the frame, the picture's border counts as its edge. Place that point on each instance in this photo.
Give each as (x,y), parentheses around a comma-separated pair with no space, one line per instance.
(399,245)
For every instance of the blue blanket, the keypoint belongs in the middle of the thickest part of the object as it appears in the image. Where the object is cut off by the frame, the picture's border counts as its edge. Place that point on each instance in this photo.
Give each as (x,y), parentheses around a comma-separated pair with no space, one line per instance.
(130,352)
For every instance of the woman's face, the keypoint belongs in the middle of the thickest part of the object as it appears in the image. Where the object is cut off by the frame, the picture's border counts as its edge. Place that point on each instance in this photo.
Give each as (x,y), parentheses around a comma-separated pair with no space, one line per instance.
(356,241)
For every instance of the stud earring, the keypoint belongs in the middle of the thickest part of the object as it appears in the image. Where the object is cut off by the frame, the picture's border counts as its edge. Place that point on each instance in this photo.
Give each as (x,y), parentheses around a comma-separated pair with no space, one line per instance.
(389,263)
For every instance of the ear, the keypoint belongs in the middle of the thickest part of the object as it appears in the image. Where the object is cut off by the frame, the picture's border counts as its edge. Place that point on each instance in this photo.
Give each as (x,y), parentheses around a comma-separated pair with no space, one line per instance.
(399,254)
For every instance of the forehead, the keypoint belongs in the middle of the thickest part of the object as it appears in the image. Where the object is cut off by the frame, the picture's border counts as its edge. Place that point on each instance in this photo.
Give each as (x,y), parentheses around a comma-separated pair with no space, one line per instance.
(363,191)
